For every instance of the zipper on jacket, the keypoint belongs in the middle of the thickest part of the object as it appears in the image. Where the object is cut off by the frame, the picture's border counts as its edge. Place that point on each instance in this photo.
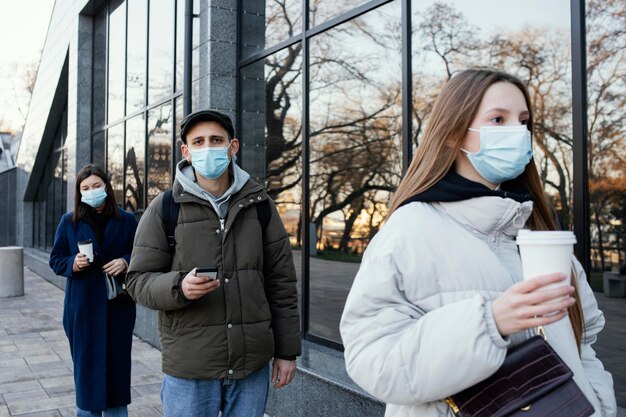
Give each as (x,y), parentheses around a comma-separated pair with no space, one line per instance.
(222,221)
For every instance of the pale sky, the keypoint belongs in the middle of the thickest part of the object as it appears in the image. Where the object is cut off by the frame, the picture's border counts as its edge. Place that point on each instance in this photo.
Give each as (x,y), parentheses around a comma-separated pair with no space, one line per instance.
(23,28)
(504,14)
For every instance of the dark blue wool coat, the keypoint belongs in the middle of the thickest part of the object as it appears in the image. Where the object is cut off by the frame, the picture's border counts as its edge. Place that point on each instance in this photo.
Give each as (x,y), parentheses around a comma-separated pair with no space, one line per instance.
(99,331)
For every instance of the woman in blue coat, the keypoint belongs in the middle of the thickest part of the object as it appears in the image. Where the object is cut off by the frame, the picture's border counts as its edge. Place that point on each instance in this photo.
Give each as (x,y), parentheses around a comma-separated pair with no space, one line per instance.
(99,330)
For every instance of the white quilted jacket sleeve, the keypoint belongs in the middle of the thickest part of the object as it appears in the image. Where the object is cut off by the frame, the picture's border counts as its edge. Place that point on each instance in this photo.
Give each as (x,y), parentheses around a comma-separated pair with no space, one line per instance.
(403,355)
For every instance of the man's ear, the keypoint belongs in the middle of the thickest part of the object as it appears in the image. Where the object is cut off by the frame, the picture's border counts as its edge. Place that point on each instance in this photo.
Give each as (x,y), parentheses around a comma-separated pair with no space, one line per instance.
(185,151)
(234,147)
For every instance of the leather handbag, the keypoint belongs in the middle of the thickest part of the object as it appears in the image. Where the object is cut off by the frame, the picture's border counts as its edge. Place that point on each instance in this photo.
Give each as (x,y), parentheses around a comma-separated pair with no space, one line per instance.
(533,381)
(114,287)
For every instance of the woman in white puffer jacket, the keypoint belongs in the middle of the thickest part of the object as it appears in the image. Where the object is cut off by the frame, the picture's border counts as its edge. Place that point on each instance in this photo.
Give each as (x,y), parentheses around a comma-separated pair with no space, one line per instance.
(439,296)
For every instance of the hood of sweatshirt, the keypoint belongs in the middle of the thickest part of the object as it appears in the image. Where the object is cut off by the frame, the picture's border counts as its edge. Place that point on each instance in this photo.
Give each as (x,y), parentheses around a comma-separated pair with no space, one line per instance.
(186,176)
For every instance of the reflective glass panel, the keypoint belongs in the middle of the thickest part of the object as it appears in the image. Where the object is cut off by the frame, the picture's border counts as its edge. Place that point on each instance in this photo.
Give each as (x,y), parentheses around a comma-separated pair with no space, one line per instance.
(531,42)
(59,179)
(323,10)
(136,64)
(36,223)
(606,89)
(267,23)
(355,152)
(99,67)
(135,158)
(115,161)
(117,53)
(161,50)
(196,99)
(272,134)
(178,103)
(180,44)
(159,150)
(50,220)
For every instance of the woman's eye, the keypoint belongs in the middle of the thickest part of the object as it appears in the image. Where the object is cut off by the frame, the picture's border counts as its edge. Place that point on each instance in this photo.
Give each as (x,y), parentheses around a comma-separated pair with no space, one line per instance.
(498,119)
(524,122)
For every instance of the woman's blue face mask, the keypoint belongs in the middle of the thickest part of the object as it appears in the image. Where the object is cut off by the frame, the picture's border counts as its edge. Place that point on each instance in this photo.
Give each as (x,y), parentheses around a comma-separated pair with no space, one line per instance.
(94,197)
(504,152)
(210,162)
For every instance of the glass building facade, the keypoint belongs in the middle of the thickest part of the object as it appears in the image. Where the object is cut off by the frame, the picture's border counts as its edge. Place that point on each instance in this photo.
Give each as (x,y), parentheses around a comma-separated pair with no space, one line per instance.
(137,92)
(50,202)
(342,94)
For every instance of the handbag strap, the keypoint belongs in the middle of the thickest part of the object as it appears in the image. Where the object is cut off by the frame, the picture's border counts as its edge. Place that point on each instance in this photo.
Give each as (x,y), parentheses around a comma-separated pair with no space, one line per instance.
(541,332)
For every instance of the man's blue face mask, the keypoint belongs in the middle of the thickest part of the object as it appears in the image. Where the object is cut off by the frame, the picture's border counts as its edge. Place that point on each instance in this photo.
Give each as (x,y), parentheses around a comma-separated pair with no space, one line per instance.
(210,162)
(504,152)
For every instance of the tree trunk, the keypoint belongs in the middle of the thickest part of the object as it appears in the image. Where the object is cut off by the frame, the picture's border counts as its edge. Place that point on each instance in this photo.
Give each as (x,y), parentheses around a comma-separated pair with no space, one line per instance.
(347,231)
(596,217)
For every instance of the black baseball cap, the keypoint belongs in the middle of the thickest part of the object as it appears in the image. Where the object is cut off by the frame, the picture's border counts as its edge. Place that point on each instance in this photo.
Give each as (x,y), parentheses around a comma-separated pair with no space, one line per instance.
(206,116)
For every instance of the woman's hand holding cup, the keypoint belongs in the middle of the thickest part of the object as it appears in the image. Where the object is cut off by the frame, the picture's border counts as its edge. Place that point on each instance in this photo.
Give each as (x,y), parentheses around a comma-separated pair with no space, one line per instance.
(532,303)
(80,262)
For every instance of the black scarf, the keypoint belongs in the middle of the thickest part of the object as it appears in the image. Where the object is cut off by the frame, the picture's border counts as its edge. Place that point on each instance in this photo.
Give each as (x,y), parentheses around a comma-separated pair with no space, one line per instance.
(454,187)
(98,222)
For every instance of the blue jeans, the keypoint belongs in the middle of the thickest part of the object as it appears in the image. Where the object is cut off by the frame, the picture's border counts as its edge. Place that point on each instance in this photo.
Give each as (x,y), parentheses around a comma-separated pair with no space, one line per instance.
(110,412)
(207,397)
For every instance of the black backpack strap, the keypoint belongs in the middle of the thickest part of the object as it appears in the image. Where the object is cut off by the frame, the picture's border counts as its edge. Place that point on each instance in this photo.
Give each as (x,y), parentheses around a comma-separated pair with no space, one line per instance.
(264,213)
(169,215)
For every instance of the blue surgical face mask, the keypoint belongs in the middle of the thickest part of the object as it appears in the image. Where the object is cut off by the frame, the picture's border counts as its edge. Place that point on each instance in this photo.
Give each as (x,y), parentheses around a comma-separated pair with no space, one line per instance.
(94,197)
(504,152)
(210,162)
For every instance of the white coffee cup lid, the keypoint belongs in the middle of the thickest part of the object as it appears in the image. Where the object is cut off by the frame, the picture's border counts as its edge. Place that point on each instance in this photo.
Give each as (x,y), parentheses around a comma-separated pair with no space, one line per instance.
(545,237)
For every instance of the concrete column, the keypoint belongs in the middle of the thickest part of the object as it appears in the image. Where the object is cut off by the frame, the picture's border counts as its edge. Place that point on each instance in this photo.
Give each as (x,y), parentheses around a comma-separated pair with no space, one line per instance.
(11,271)
(78,140)
(215,85)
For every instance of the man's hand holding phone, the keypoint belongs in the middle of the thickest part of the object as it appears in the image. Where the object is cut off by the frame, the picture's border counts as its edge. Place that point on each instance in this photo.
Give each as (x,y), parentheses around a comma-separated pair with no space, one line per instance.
(198,282)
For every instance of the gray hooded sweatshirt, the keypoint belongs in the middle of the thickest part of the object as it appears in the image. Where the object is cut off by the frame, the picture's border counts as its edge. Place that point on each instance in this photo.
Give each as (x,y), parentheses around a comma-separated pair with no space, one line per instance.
(186,177)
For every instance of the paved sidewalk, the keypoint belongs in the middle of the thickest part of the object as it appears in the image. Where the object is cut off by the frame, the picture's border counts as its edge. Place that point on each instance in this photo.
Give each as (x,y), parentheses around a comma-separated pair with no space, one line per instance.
(36,368)
(35,363)
(611,344)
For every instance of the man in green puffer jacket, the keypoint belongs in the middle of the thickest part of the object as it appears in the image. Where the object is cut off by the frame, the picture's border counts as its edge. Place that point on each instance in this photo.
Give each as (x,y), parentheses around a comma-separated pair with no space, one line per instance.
(217,336)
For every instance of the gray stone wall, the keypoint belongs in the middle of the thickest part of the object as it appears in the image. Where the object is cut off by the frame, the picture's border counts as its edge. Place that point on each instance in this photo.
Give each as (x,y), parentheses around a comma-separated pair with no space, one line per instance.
(215,82)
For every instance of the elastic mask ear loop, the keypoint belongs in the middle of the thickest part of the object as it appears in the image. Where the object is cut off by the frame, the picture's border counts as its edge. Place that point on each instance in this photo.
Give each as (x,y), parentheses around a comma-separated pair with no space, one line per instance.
(472,130)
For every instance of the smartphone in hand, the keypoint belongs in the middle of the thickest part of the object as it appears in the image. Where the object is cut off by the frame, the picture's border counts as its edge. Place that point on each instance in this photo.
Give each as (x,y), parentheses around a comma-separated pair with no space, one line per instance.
(209,272)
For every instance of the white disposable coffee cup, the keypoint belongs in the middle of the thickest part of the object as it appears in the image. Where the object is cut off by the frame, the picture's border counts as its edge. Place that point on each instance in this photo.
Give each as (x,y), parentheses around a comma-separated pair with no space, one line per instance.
(546,252)
(85,247)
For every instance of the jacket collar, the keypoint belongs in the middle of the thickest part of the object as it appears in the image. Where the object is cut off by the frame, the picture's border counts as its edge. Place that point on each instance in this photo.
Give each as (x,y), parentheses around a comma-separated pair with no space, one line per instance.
(486,215)
(478,207)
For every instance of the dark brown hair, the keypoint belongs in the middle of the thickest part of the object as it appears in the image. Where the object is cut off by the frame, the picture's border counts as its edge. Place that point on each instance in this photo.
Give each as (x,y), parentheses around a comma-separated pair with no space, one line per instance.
(80,208)
(453,112)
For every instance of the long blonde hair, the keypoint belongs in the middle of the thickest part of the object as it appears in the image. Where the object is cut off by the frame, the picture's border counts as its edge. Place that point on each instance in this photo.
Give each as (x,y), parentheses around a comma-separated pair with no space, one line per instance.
(453,112)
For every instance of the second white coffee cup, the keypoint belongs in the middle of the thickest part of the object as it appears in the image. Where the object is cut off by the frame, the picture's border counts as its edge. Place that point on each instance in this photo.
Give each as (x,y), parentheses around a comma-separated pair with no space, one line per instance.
(546,252)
